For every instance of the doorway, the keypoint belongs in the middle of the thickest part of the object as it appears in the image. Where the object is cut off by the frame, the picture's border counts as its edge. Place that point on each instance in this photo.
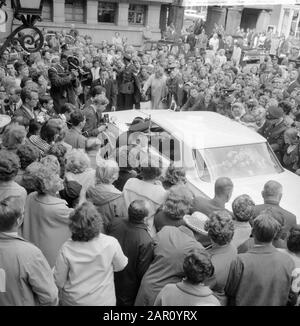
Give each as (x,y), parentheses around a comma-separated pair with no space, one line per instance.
(249,18)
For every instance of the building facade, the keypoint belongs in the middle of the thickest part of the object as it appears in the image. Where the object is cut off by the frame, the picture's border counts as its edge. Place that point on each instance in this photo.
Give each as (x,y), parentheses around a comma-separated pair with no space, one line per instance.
(100,19)
(285,19)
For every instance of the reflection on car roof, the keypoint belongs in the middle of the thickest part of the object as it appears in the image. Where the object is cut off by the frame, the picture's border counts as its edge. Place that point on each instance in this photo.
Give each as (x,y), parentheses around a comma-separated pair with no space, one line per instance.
(198,129)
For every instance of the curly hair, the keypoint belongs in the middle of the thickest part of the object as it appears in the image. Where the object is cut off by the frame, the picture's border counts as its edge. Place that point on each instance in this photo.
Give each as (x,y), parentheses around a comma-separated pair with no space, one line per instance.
(46,180)
(51,162)
(9,165)
(27,155)
(85,223)
(220,227)
(77,161)
(59,151)
(293,240)
(179,201)
(173,176)
(29,180)
(107,171)
(13,136)
(10,211)
(243,208)
(197,266)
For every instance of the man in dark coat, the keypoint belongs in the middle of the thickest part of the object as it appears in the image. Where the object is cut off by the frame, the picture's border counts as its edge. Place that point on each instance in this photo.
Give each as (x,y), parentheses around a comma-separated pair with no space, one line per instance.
(263,267)
(63,83)
(137,245)
(128,85)
(194,102)
(273,130)
(272,194)
(175,87)
(110,89)
(93,113)
(30,100)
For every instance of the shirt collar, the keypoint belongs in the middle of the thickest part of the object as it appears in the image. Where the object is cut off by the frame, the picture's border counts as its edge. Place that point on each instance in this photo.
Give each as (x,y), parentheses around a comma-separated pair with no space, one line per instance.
(271,202)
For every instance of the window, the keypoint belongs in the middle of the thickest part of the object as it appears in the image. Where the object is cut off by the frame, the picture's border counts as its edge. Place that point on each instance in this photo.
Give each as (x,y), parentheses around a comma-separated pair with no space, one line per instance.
(75,10)
(240,161)
(47,13)
(136,14)
(107,12)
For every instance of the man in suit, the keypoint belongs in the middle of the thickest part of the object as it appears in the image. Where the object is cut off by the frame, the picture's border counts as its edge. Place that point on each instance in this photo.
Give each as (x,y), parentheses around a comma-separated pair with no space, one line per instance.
(273,130)
(110,89)
(63,83)
(74,135)
(263,275)
(30,100)
(128,85)
(272,194)
(93,113)
(223,192)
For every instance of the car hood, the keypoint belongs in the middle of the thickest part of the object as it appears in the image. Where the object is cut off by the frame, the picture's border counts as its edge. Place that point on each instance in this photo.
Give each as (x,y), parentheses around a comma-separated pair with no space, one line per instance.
(254,185)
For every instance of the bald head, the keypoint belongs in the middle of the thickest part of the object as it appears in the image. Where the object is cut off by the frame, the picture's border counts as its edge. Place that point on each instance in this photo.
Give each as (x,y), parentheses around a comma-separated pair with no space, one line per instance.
(223,188)
(272,191)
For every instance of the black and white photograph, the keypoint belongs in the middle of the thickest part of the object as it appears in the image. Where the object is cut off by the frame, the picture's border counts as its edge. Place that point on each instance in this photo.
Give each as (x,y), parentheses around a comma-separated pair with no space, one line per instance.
(149,157)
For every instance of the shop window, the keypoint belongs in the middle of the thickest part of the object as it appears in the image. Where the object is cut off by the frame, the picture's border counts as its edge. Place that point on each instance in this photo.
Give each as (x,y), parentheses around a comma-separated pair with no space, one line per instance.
(137,14)
(107,12)
(47,13)
(75,10)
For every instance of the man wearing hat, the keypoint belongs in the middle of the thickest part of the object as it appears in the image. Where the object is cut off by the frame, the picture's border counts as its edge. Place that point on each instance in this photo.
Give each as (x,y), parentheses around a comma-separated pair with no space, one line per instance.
(128,85)
(273,130)
(175,86)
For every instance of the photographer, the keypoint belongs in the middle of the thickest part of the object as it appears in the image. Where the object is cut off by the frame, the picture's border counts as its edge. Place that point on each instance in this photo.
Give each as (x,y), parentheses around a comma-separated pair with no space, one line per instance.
(63,83)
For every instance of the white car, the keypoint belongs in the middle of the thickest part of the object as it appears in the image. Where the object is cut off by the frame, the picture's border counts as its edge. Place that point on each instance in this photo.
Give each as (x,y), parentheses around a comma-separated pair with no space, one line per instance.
(209,145)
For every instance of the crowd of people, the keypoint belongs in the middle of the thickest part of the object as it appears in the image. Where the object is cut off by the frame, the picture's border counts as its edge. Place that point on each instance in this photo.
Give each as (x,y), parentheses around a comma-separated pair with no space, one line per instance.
(79,228)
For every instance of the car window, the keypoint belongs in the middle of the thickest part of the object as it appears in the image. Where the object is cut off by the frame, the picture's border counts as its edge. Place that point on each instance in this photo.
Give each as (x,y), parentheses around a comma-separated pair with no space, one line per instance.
(201,166)
(242,161)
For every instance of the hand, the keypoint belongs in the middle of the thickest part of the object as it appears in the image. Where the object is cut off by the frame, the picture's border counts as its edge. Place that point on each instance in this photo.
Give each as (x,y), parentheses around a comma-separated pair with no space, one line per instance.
(102,128)
(298,172)
(113,108)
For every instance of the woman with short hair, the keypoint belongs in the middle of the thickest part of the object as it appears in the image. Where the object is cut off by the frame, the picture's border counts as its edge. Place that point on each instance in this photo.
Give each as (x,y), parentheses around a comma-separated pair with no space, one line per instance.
(220,229)
(173,176)
(46,216)
(9,167)
(14,135)
(179,201)
(84,269)
(243,212)
(104,195)
(78,169)
(191,291)
(27,155)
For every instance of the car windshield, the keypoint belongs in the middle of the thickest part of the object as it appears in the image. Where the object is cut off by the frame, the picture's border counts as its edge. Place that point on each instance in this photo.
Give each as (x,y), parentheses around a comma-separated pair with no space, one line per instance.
(240,161)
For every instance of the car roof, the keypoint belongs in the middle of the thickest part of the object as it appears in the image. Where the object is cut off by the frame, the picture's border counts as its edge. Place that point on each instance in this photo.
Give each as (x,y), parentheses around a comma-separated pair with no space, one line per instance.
(198,129)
